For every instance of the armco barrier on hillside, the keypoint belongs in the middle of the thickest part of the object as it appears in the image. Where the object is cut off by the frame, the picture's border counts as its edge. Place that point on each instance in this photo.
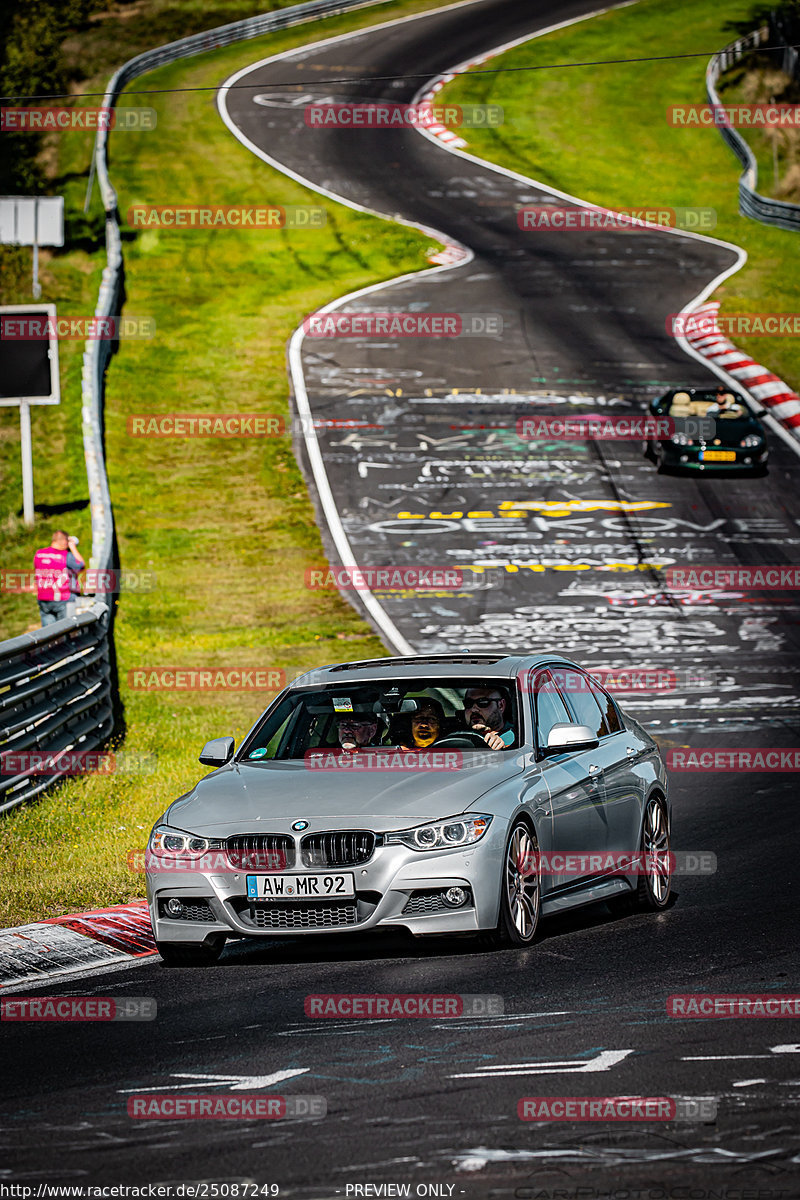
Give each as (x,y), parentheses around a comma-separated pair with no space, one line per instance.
(55,693)
(751,204)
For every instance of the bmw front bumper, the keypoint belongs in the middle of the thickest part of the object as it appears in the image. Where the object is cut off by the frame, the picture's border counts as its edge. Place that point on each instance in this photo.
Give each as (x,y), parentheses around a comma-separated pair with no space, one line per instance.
(396,887)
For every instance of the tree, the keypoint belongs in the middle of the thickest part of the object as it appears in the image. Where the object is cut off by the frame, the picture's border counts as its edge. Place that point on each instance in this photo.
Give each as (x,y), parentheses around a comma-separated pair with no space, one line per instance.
(31,66)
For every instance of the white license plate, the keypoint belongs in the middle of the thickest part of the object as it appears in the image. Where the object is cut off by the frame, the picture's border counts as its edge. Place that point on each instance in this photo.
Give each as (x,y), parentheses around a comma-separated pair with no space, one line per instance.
(307,886)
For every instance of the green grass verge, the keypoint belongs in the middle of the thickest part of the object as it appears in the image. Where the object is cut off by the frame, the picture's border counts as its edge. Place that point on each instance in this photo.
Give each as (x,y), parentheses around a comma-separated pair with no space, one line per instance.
(226,526)
(600,133)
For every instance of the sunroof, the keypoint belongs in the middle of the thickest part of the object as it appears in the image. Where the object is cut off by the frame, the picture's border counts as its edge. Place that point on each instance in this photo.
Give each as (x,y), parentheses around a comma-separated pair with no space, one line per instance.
(412,659)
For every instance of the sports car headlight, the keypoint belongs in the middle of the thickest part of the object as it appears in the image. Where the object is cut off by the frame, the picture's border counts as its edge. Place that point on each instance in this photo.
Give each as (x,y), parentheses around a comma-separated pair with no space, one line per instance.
(682,439)
(173,843)
(751,440)
(442,835)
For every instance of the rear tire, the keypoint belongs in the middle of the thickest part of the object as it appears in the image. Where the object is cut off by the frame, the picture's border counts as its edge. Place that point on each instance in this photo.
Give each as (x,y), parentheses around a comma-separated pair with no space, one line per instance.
(191,954)
(655,878)
(520,890)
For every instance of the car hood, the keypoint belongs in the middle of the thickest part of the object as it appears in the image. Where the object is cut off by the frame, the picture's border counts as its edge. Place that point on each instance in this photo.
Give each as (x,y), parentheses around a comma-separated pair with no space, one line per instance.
(268,797)
(730,431)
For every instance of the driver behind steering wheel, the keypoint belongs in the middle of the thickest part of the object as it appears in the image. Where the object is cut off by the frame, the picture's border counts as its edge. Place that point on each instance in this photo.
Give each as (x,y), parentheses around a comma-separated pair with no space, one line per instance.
(485,712)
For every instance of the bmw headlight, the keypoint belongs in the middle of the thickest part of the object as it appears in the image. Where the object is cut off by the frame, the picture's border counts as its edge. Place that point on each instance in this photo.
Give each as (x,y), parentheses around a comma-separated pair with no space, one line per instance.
(441,835)
(682,439)
(174,843)
(752,440)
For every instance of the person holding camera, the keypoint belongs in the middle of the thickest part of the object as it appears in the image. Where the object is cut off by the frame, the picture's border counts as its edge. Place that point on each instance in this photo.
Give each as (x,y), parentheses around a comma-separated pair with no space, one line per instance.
(56,568)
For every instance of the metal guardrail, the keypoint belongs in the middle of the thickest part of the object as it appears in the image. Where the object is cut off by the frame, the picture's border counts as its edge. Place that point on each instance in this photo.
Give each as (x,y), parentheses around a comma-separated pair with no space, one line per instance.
(56,683)
(55,695)
(751,203)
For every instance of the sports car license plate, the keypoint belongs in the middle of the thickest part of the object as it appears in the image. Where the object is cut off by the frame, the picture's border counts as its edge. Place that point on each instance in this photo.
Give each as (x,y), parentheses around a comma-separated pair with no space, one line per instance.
(300,887)
(718,456)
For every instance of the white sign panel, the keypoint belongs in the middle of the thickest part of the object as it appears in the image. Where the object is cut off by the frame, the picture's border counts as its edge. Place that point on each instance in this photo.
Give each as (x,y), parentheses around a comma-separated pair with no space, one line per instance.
(32,220)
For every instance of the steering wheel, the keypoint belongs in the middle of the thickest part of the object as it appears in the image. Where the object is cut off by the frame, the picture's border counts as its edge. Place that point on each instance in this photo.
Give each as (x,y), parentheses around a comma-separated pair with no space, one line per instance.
(468,737)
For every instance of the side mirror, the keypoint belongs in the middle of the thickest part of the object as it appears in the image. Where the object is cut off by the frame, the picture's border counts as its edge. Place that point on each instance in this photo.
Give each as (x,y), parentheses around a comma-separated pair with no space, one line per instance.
(565,736)
(217,752)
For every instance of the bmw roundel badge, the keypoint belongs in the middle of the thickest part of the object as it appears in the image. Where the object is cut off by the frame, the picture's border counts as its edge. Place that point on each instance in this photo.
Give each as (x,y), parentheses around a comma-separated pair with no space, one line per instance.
(298,825)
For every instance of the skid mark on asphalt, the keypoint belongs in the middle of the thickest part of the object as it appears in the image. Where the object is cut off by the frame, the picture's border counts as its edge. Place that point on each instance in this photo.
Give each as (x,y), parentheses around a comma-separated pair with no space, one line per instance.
(482,1156)
(348,1028)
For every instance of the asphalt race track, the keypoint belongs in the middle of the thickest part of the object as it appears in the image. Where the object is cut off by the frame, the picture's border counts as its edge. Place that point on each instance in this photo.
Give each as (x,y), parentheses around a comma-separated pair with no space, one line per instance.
(434,1102)
(444,480)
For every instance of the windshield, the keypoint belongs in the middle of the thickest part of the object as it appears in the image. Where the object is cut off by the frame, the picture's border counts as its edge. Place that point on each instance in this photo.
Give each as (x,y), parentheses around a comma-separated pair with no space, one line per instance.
(696,403)
(409,714)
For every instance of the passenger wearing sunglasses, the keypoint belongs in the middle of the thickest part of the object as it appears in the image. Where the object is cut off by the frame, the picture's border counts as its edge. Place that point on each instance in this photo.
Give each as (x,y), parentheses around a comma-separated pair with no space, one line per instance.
(485,712)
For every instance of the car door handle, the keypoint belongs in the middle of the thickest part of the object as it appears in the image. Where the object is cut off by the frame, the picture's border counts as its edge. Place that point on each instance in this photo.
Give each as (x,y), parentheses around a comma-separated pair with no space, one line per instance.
(630,751)
(593,769)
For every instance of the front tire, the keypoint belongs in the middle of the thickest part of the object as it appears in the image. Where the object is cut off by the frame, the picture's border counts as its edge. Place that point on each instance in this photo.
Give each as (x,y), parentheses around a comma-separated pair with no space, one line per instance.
(190,954)
(655,877)
(520,889)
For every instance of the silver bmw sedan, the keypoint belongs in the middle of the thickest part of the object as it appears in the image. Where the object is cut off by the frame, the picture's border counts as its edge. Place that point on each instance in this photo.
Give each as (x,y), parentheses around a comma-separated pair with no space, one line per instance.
(448,794)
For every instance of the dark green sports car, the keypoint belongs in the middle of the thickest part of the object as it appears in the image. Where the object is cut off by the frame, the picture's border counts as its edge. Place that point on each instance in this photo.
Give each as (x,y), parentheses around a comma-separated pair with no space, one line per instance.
(707,430)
